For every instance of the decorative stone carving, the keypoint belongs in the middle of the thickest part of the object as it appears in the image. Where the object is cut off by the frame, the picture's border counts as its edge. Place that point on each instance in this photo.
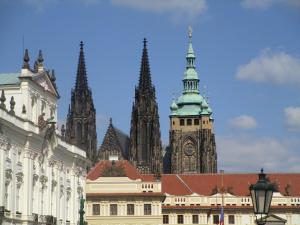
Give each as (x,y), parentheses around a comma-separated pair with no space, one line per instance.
(44,180)
(12,105)
(54,184)
(35,178)
(61,190)
(19,177)
(68,192)
(8,176)
(2,100)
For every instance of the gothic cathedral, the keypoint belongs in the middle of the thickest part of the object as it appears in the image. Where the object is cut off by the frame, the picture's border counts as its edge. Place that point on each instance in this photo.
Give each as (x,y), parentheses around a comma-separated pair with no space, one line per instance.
(145,150)
(192,141)
(192,147)
(81,118)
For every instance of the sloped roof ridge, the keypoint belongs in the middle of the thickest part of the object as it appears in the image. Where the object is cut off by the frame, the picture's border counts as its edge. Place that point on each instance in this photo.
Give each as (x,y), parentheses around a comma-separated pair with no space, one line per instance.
(182,181)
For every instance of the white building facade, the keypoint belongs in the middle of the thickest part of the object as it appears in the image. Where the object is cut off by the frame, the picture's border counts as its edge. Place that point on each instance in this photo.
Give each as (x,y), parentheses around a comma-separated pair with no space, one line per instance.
(41,176)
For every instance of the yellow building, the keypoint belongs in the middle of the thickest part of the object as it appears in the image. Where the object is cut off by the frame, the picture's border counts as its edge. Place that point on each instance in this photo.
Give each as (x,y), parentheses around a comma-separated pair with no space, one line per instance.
(116,193)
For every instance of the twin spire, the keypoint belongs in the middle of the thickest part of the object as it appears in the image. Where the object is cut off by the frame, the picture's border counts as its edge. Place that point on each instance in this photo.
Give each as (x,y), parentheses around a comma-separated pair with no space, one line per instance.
(81,78)
(145,83)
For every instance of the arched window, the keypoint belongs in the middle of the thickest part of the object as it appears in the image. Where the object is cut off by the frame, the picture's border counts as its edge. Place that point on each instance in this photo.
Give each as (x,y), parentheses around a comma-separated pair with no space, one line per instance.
(189,156)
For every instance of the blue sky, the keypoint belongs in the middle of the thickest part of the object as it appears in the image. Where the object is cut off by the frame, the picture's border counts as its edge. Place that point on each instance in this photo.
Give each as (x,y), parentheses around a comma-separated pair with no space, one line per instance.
(248,57)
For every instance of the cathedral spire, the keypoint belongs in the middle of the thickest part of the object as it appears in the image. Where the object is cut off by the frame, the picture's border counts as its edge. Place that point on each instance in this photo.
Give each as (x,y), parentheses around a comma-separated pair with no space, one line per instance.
(81,118)
(81,78)
(145,75)
(145,150)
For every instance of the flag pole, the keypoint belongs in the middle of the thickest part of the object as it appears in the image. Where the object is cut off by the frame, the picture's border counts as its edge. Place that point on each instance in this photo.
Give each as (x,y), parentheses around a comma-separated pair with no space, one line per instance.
(222,194)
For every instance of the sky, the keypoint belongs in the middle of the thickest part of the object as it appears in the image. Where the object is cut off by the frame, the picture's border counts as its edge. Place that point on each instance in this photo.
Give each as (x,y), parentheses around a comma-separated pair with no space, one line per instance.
(248,61)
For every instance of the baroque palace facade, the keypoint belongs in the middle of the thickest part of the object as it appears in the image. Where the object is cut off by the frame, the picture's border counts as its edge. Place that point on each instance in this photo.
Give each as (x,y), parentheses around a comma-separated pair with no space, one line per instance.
(42,177)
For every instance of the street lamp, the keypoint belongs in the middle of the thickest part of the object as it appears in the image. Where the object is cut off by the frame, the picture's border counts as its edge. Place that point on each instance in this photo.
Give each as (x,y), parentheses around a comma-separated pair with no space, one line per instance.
(261,194)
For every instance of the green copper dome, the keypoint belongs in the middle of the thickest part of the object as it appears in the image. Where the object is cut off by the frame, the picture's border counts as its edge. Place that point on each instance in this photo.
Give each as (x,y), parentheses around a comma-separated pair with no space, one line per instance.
(174,105)
(190,99)
(190,103)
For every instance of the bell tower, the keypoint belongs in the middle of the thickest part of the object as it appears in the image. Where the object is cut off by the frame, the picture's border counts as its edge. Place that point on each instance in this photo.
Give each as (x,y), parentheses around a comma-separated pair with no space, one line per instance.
(192,141)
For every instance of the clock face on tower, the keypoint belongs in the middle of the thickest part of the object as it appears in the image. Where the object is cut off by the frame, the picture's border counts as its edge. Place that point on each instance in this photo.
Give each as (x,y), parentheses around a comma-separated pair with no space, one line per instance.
(189,149)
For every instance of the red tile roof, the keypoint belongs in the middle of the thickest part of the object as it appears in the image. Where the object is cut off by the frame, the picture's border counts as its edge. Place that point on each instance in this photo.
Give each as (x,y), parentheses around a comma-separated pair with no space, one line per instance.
(130,171)
(237,184)
(204,184)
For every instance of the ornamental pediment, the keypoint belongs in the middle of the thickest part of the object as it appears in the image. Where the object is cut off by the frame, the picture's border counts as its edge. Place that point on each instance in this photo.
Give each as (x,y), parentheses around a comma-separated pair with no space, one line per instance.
(43,80)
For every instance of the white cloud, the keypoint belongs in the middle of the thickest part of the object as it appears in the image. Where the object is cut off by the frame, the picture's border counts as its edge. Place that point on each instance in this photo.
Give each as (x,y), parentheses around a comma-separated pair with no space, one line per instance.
(292,118)
(274,67)
(265,4)
(189,8)
(250,154)
(243,122)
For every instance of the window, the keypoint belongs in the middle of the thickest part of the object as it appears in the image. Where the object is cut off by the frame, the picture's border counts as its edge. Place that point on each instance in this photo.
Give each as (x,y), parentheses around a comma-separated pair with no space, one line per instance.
(181,122)
(180,219)
(165,219)
(195,219)
(113,209)
(216,219)
(130,209)
(196,121)
(147,209)
(96,209)
(231,219)
(189,122)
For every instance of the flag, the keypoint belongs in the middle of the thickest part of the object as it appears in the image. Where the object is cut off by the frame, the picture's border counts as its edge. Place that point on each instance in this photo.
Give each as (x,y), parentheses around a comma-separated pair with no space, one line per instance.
(222,216)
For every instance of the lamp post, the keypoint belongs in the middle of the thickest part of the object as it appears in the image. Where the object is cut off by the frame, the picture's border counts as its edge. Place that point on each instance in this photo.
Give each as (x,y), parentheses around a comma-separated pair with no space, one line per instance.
(261,194)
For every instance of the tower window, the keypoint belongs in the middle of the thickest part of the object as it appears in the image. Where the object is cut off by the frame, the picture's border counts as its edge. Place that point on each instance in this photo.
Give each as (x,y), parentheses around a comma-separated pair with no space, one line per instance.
(173,122)
(181,122)
(196,121)
(189,122)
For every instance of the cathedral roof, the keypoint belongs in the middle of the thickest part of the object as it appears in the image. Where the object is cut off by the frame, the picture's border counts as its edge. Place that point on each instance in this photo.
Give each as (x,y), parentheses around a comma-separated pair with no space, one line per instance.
(115,140)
